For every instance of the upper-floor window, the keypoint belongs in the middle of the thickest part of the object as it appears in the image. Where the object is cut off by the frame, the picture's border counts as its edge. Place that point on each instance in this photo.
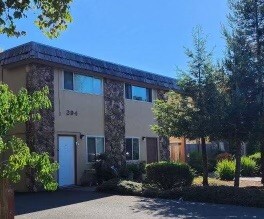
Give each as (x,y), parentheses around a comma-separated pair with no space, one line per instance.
(138,93)
(82,83)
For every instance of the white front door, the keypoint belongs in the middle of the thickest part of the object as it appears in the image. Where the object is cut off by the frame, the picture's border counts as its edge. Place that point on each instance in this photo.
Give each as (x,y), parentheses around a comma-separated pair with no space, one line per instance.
(66,160)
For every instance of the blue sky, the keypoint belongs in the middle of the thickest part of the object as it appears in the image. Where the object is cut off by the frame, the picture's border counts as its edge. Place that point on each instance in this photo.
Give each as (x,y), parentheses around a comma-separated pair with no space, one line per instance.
(145,34)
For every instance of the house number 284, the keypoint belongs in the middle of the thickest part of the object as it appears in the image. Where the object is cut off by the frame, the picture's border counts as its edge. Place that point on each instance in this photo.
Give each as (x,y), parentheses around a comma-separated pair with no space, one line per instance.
(71,113)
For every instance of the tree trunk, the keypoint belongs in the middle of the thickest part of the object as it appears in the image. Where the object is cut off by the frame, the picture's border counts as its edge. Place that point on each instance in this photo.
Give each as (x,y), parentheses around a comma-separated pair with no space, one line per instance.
(238,163)
(6,200)
(205,163)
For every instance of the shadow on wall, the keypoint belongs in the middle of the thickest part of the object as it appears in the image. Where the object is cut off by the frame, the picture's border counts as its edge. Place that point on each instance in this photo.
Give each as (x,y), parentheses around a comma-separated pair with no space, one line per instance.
(179,209)
(32,202)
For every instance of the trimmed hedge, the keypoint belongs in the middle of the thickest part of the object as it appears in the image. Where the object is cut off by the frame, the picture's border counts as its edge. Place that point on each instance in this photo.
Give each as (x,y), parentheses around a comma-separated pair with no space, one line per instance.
(248,196)
(168,175)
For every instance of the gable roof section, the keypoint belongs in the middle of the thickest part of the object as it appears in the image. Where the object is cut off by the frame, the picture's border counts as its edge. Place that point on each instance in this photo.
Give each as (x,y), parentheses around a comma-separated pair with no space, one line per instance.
(37,51)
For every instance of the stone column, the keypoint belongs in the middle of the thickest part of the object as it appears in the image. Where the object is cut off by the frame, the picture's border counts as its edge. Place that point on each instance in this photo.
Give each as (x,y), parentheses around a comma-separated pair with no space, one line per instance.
(164,148)
(114,118)
(40,134)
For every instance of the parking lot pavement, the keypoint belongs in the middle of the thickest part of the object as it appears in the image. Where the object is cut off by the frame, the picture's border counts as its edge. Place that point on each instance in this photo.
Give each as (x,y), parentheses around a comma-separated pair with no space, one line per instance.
(85,203)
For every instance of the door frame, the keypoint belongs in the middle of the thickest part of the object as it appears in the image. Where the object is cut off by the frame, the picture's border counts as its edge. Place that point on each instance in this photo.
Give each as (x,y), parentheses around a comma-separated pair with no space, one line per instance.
(75,156)
(157,141)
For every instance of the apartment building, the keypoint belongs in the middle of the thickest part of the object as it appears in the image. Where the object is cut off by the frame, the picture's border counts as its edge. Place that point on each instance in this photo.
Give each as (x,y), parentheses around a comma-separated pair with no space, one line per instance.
(97,107)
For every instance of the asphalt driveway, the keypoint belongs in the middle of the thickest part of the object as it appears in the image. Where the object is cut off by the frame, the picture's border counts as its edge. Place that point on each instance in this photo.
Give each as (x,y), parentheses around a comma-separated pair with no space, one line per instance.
(85,203)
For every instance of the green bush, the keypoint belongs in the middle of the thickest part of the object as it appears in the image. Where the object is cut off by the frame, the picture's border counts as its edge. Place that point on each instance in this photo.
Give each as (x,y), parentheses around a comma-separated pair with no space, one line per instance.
(103,169)
(248,166)
(168,175)
(257,158)
(136,169)
(196,161)
(225,169)
(121,187)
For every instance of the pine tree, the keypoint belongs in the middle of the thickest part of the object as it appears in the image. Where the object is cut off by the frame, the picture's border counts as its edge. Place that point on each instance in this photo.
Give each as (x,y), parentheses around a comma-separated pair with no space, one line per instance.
(241,105)
(247,18)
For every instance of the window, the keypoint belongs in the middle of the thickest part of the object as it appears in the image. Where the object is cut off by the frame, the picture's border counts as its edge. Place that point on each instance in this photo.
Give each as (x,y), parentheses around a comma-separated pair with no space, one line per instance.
(95,147)
(82,83)
(68,81)
(138,93)
(132,148)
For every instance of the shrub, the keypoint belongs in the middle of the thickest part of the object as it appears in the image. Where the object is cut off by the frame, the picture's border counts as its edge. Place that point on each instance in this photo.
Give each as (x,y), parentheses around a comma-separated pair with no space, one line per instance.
(137,169)
(211,164)
(248,166)
(121,187)
(257,158)
(248,196)
(196,161)
(224,156)
(225,169)
(167,175)
(103,169)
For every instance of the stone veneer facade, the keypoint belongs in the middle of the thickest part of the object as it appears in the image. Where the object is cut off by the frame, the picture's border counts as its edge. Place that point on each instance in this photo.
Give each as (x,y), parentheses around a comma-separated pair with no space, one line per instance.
(164,142)
(40,134)
(114,117)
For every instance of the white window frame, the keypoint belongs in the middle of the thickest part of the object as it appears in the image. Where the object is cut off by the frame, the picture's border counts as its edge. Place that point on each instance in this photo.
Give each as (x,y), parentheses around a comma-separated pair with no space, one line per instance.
(86,145)
(73,73)
(139,146)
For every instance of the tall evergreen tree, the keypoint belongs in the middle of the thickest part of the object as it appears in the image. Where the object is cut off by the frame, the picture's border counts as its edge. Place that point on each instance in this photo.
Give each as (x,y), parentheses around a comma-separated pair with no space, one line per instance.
(241,110)
(247,18)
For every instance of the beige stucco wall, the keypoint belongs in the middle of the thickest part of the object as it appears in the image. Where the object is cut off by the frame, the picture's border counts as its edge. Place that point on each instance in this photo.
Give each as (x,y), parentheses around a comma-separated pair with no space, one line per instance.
(89,121)
(139,118)
(15,78)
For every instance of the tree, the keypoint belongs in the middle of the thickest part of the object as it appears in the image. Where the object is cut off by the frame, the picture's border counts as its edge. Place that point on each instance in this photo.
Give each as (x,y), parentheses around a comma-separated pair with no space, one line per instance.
(52,16)
(241,103)
(247,17)
(14,153)
(192,114)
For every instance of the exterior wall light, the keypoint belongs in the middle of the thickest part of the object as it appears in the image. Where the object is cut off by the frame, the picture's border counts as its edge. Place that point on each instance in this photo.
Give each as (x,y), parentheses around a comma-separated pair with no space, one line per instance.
(82,136)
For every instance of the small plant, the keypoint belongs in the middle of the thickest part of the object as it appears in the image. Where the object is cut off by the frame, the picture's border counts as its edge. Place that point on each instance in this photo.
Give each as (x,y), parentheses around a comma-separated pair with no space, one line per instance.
(225,169)
(248,166)
(257,158)
(168,175)
(103,168)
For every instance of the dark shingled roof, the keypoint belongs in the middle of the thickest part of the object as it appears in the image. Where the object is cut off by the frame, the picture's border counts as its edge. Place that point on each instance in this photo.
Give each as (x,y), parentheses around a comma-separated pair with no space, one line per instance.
(37,51)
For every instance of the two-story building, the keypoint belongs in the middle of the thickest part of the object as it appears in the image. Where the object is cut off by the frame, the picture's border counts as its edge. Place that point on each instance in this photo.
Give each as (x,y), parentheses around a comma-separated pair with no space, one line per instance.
(97,107)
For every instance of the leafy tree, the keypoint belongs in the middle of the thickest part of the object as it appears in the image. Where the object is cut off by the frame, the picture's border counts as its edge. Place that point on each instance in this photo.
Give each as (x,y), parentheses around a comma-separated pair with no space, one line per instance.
(195,113)
(247,17)
(52,16)
(15,155)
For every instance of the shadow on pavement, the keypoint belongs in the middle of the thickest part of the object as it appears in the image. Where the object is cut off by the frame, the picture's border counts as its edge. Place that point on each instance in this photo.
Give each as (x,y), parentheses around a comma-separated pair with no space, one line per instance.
(181,209)
(32,202)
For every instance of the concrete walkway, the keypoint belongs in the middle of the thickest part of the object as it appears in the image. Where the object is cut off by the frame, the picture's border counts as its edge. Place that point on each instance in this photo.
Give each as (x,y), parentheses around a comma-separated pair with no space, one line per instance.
(85,203)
